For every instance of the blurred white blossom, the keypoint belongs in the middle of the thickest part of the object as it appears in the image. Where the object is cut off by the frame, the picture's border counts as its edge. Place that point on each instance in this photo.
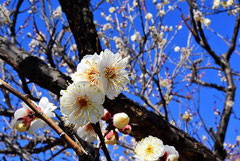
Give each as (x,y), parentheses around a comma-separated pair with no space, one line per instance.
(87,132)
(216,4)
(58,12)
(107,26)
(4,15)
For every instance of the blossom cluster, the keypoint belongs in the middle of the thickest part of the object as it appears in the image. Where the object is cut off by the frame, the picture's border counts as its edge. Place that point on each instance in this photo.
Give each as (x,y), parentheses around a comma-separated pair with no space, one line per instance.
(152,148)
(199,17)
(4,15)
(119,123)
(96,76)
(225,4)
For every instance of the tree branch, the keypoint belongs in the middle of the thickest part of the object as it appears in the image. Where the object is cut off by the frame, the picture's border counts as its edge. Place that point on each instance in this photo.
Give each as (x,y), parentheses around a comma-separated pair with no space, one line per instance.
(13,24)
(234,37)
(43,116)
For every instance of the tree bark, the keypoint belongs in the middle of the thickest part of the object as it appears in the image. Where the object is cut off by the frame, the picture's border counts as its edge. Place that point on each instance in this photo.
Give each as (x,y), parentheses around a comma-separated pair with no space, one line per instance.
(80,20)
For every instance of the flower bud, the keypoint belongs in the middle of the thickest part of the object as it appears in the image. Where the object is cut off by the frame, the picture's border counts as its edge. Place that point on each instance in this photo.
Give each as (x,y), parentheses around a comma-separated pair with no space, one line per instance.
(107,115)
(22,124)
(172,157)
(126,130)
(111,138)
(120,120)
(171,153)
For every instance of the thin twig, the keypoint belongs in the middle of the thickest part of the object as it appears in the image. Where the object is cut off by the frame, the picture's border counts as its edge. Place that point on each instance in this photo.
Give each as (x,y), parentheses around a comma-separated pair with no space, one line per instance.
(97,130)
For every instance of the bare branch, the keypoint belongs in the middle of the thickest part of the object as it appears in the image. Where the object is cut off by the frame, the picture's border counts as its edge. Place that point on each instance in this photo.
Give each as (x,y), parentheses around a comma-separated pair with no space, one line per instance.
(13,25)
(234,37)
(14,147)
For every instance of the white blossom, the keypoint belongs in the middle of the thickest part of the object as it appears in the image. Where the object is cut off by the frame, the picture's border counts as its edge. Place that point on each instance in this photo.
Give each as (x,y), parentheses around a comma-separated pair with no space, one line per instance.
(73,47)
(187,116)
(179,27)
(4,15)
(172,154)
(197,15)
(164,83)
(135,3)
(88,70)
(150,148)
(103,14)
(230,3)
(114,76)
(166,1)
(82,102)
(58,12)
(230,103)
(136,36)
(177,49)
(34,43)
(206,21)
(109,18)
(204,137)
(87,132)
(107,26)
(159,6)
(216,4)
(162,12)
(112,9)
(148,16)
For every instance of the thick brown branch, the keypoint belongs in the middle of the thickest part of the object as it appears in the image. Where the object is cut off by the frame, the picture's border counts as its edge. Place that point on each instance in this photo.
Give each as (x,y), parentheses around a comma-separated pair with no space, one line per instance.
(6,112)
(32,68)
(80,20)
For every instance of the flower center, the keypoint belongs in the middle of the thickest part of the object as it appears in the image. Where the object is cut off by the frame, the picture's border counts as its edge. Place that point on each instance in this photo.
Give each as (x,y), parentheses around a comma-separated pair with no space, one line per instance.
(83,102)
(89,128)
(149,149)
(110,72)
(91,74)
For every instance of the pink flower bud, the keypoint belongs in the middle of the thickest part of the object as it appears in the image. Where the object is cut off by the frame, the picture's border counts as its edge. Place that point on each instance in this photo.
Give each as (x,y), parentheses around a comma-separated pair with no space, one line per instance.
(23,124)
(107,115)
(120,120)
(126,130)
(111,138)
